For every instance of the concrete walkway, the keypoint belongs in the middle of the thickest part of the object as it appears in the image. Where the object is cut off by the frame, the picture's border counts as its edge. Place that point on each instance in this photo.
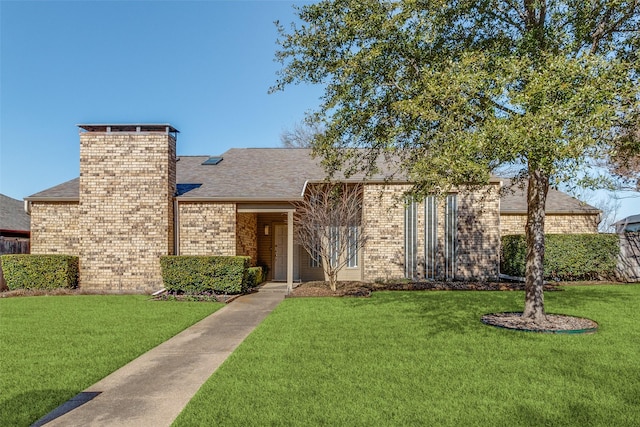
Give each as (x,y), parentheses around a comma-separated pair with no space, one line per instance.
(154,388)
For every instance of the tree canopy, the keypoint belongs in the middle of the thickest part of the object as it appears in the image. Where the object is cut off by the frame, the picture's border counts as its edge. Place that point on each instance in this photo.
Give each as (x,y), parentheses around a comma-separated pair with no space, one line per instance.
(451,90)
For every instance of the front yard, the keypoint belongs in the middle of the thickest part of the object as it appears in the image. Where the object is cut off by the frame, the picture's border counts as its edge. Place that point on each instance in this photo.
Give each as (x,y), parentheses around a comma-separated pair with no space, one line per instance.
(424,358)
(53,347)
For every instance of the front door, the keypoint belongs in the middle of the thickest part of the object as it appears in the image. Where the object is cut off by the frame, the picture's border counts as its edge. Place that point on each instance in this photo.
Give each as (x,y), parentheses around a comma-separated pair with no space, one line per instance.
(280,252)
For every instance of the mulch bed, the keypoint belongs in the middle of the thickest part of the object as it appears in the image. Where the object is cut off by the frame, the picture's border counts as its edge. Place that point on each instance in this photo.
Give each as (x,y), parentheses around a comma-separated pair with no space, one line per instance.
(552,323)
(360,289)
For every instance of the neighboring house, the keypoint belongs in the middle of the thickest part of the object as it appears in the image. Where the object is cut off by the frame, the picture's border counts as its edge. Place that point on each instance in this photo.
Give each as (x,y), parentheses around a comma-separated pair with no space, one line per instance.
(14,229)
(563,214)
(630,223)
(136,200)
(14,221)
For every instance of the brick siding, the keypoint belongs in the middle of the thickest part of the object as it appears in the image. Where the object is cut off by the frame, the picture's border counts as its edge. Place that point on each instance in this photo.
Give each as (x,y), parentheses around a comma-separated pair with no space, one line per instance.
(127,182)
(207,228)
(554,223)
(247,236)
(55,228)
(478,233)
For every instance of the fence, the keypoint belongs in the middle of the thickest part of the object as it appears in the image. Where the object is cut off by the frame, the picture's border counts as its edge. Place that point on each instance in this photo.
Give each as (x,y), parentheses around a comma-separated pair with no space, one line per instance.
(12,245)
(629,261)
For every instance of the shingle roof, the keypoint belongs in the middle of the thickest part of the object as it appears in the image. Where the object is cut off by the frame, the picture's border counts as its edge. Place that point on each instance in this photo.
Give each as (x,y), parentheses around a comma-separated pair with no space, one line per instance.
(513,200)
(279,174)
(12,215)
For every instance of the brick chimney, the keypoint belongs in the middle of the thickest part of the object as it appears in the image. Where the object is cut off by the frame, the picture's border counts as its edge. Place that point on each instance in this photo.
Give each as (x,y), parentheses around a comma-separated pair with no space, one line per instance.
(127,184)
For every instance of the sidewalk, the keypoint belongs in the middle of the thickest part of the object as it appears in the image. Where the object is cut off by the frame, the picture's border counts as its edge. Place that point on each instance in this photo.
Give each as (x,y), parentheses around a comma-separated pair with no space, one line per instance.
(154,388)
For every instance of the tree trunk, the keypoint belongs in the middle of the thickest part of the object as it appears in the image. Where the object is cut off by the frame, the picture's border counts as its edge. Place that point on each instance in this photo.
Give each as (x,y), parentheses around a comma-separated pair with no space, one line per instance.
(534,270)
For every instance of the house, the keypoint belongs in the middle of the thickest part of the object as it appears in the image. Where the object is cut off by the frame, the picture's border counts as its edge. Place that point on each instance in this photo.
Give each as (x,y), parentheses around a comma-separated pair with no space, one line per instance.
(628,224)
(135,200)
(14,229)
(14,222)
(563,214)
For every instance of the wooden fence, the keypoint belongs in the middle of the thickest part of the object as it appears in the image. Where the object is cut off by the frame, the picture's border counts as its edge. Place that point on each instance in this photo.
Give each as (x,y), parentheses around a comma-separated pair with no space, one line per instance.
(629,261)
(12,245)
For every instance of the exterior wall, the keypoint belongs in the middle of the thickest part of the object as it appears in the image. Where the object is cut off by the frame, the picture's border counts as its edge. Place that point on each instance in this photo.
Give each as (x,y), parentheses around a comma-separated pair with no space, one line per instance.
(383,222)
(247,236)
(478,234)
(207,228)
(554,223)
(55,228)
(127,182)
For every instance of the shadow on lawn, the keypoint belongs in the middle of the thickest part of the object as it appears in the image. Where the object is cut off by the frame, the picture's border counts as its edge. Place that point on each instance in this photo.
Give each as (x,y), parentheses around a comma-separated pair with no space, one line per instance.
(447,311)
(26,408)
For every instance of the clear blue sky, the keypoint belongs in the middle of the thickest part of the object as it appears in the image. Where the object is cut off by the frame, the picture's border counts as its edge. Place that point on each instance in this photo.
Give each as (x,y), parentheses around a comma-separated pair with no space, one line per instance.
(203,66)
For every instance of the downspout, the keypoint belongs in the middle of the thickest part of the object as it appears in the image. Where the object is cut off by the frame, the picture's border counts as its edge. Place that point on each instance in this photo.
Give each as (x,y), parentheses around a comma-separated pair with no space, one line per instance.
(27,207)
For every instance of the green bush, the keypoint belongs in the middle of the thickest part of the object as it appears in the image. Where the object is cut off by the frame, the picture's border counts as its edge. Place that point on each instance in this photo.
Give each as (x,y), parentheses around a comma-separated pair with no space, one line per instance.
(40,271)
(567,256)
(254,276)
(201,274)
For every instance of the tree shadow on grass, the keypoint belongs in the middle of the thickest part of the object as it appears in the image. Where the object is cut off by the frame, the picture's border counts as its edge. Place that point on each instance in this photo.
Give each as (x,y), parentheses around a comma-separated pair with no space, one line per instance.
(26,408)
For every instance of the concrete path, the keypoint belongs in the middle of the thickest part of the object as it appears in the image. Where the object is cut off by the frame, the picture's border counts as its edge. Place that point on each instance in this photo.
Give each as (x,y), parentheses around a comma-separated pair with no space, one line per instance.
(154,388)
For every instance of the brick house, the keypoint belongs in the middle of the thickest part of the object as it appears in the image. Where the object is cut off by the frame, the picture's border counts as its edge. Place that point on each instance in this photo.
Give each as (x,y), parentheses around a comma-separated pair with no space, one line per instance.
(135,200)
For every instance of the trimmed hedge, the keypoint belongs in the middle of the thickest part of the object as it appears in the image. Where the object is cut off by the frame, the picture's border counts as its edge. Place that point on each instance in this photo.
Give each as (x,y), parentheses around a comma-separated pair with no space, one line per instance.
(254,276)
(200,274)
(567,257)
(40,271)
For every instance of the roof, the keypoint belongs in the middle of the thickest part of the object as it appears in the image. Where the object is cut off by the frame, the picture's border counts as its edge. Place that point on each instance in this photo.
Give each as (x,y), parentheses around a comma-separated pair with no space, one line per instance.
(280,174)
(633,219)
(513,200)
(12,215)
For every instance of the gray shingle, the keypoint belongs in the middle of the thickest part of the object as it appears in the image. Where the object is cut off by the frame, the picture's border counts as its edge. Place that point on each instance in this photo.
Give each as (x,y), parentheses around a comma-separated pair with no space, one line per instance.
(278,174)
(12,215)
(514,200)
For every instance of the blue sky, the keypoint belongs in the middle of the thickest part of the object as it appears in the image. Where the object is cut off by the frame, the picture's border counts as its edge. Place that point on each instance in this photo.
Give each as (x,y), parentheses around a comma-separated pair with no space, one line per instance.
(203,66)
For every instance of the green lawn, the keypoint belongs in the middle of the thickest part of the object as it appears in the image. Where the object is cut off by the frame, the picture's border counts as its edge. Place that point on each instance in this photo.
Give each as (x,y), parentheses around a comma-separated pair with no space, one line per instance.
(424,358)
(53,347)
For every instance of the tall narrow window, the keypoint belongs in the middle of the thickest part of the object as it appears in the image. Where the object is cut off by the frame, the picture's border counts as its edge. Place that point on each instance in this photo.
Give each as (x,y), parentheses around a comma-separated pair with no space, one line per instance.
(450,235)
(410,240)
(334,245)
(352,247)
(314,257)
(430,237)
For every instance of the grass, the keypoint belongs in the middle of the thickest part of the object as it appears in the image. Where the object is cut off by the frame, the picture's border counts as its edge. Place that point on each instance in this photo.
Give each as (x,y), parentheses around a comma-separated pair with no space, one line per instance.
(53,347)
(424,358)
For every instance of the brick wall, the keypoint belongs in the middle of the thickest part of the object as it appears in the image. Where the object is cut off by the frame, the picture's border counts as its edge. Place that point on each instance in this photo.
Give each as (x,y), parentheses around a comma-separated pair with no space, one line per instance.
(383,222)
(554,223)
(247,236)
(127,182)
(55,228)
(207,228)
(478,234)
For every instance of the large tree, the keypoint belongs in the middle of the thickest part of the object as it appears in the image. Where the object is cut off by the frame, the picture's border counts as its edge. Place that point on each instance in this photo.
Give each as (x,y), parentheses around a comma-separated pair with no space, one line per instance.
(450,90)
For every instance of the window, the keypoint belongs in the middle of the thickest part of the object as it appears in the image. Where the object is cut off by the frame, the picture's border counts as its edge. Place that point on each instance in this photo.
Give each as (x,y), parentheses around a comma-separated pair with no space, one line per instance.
(430,237)
(352,247)
(410,240)
(450,236)
(314,257)
(334,245)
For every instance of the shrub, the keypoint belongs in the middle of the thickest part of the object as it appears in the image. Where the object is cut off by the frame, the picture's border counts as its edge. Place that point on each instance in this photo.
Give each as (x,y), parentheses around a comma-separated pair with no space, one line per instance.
(40,271)
(567,256)
(199,274)
(254,276)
